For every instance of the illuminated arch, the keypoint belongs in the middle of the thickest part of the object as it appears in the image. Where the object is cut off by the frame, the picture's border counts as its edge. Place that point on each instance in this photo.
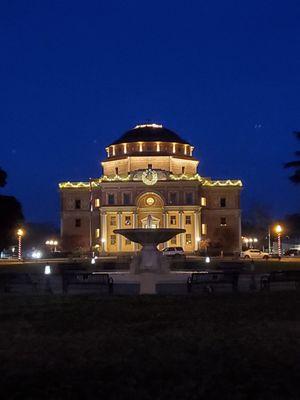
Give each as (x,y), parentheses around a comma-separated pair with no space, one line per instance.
(150,200)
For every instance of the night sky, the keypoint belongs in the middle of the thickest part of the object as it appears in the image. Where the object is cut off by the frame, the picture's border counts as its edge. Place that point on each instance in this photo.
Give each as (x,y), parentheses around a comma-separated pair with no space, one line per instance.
(76,74)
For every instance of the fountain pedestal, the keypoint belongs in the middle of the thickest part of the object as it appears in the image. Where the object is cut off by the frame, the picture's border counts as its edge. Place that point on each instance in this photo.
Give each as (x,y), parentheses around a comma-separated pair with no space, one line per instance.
(149,259)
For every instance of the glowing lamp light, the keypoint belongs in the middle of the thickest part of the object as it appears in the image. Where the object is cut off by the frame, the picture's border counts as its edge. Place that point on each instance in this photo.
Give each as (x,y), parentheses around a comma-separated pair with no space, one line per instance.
(103,240)
(207,260)
(47,270)
(198,239)
(148,126)
(36,254)
(278,229)
(93,261)
(20,232)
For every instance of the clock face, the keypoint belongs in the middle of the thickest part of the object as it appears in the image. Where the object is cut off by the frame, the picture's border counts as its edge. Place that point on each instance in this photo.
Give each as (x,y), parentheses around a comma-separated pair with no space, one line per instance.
(149,177)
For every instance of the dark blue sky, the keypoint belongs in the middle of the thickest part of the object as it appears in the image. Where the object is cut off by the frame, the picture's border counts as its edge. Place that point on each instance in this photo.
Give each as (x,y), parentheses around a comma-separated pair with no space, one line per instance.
(76,74)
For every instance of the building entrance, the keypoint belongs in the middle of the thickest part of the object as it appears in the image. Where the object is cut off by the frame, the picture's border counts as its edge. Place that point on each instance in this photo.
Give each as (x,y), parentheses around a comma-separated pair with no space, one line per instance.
(154,222)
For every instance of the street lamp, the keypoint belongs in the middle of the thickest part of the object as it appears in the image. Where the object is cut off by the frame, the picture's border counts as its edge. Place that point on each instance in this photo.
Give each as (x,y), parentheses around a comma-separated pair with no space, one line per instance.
(20,234)
(278,230)
(53,244)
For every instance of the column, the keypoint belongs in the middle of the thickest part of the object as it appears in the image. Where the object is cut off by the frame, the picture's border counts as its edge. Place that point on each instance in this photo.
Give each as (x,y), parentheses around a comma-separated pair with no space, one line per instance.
(104,231)
(181,227)
(165,244)
(119,225)
(197,230)
(135,225)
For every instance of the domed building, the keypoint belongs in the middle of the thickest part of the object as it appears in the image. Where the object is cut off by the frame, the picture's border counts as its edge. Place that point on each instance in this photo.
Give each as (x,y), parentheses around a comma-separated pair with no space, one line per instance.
(150,170)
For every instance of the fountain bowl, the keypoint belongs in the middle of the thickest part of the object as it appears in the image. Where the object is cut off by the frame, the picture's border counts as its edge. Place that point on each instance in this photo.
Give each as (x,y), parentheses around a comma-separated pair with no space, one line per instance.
(148,236)
(149,259)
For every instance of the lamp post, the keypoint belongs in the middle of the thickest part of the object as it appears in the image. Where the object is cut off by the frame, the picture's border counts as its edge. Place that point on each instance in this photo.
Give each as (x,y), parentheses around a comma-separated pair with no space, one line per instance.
(20,234)
(52,244)
(278,230)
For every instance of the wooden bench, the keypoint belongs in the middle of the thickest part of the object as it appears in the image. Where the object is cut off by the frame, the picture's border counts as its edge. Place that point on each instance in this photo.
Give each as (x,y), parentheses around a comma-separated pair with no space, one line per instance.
(10,279)
(86,278)
(208,280)
(280,277)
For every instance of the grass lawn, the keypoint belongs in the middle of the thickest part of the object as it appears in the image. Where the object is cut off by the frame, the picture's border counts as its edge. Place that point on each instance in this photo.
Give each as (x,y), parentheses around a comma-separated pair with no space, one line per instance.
(86,347)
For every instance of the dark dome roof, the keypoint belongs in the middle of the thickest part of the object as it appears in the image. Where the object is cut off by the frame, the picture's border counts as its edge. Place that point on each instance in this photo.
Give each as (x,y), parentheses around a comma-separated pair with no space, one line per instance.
(149,133)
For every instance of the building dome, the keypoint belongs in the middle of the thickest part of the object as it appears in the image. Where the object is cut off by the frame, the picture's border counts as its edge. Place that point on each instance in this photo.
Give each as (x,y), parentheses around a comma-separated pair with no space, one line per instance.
(149,133)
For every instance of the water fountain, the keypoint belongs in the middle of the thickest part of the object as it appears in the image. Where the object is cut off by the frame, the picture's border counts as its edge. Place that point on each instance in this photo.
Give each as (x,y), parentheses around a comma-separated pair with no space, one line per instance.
(149,263)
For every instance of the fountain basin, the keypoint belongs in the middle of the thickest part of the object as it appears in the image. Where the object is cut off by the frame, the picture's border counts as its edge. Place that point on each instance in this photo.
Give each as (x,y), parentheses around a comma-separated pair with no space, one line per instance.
(145,236)
(149,259)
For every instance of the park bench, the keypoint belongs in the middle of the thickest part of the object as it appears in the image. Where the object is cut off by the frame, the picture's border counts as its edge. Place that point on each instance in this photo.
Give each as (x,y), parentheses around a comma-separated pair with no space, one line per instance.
(9,280)
(208,280)
(70,278)
(280,277)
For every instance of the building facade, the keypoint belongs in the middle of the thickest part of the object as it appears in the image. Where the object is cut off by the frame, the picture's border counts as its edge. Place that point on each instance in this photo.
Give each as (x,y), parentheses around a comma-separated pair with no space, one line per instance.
(150,170)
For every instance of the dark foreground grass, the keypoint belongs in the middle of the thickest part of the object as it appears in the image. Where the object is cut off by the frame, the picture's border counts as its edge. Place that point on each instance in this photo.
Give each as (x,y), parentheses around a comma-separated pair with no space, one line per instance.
(225,347)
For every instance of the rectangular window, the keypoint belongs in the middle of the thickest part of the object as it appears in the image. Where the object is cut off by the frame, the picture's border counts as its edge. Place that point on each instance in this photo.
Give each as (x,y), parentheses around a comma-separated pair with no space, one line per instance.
(204,229)
(77,222)
(97,202)
(113,239)
(183,170)
(77,204)
(188,238)
(173,219)
(126,199)
(222,202)
(127,220)
(97,233)
(111,199)
(149,166)
(117,171)
(127,242)
(188,220)
(173,198)
(203,201)
(223,221)
(113,221)
(173,240)
(189,198)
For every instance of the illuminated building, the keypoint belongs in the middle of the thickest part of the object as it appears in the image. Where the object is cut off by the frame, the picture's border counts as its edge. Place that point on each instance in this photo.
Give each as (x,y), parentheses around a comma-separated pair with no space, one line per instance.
(150,170)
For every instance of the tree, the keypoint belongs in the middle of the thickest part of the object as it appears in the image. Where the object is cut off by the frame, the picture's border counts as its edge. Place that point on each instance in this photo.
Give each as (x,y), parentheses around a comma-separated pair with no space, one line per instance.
(292,225)
(3,176)
(10,215)
(295,178)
